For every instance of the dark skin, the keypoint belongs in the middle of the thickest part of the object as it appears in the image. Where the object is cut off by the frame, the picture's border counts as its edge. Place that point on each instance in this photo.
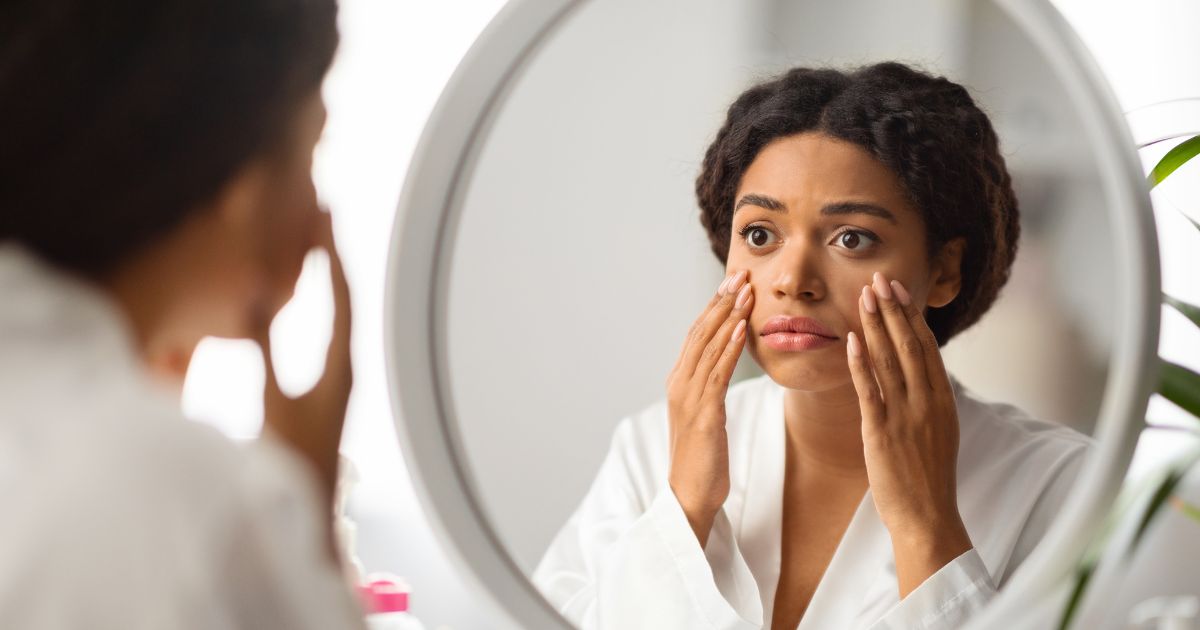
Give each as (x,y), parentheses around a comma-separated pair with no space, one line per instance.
(227,271)
(823,230)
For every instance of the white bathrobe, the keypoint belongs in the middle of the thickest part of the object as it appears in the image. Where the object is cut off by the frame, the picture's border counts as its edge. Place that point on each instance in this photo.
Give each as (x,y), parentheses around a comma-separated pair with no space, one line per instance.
(628,559)
(119,514)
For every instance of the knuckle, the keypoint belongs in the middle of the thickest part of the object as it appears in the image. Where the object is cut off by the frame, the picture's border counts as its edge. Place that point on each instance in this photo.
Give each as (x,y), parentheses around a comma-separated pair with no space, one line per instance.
(912,347)
(887,362)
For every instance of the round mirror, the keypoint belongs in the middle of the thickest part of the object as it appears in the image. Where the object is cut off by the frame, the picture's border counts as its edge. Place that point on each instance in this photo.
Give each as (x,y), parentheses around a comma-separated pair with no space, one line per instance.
(549,259)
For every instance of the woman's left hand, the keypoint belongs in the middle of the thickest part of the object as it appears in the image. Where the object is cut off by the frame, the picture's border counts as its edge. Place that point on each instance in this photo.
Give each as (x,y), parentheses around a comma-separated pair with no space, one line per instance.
(909,430)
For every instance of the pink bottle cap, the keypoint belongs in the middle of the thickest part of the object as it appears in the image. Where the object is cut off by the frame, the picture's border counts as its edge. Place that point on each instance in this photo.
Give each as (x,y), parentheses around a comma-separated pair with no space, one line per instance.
(383,596)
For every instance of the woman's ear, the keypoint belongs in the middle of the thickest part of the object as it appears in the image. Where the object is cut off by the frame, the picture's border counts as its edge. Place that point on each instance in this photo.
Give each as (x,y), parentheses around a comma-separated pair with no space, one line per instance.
(945,275)
(171,364)
(238,202)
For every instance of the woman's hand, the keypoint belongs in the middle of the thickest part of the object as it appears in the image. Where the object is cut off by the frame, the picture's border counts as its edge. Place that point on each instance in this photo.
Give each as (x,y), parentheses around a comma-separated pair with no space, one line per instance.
(910,432)
(311,425)
(696,388)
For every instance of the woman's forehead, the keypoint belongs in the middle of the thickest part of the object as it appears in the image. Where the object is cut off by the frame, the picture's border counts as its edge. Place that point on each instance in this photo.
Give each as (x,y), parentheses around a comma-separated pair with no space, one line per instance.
(812,170)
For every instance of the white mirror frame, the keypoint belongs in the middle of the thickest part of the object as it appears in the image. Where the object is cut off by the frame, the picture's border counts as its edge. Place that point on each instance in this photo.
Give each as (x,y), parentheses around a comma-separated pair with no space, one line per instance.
(417,289)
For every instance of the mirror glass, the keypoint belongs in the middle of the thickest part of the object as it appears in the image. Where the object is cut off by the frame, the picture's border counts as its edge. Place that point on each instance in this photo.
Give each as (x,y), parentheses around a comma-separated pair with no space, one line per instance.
(580,262)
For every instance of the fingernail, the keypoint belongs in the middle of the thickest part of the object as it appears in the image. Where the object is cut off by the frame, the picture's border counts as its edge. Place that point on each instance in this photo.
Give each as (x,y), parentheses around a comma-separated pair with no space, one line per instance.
(881,286)
(868,297)
(743,297)
(901,293)
(738,330)
(735,283)
(852,345)
(724,283)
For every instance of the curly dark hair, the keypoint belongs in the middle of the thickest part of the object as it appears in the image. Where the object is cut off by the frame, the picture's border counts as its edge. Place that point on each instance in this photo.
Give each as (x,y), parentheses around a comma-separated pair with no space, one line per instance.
(926,129)
(120,119)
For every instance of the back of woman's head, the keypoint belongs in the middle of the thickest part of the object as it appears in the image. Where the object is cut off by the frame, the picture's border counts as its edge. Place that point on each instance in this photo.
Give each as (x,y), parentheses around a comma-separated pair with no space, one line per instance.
(119,119)
(926,129)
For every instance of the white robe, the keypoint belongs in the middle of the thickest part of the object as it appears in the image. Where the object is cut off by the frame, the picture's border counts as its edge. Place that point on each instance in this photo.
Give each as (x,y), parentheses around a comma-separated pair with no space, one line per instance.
(118,513)
(627,558)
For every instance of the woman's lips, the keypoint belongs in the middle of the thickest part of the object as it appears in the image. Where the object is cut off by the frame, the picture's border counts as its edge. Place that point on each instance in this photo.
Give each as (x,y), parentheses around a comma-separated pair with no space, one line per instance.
(792,334)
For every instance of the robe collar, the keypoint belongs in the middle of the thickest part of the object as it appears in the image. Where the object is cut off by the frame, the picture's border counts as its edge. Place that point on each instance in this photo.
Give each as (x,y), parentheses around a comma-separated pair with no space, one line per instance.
(857,560)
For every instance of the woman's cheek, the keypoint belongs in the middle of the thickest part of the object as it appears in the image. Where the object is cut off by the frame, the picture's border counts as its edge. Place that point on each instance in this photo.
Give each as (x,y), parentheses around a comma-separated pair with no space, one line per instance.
(298,236)
(852,311)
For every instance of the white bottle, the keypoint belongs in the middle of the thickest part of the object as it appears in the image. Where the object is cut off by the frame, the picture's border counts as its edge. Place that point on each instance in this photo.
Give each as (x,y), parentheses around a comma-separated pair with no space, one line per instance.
(388,601)
(345,530)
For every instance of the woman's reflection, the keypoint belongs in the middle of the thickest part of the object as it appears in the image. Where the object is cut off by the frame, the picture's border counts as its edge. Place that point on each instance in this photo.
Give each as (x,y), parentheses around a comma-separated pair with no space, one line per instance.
(864,219)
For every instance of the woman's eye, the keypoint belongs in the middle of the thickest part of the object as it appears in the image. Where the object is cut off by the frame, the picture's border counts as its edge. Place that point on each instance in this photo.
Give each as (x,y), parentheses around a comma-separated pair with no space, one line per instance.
(758,237)
(855,240)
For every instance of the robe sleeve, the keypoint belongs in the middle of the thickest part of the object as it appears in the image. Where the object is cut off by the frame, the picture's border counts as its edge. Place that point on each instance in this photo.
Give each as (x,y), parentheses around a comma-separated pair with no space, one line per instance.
(276,569)
(946,599)
(627,558)
(958,591)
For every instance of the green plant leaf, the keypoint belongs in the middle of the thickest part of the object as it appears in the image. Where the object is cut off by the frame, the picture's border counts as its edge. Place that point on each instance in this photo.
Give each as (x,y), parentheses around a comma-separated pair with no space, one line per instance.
(1170,427)
(1194,222)
(1174,158)
(1189,311)
(1180,386)
(1157,501)
(1083,575)
(1159,487)
(1188,509)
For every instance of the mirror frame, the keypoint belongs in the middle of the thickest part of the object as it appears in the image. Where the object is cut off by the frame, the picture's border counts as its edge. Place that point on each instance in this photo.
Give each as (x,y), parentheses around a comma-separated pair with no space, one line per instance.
(417,281)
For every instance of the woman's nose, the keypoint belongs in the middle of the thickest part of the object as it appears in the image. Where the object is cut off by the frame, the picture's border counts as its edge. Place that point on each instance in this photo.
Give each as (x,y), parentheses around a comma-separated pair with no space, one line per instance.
(795,274)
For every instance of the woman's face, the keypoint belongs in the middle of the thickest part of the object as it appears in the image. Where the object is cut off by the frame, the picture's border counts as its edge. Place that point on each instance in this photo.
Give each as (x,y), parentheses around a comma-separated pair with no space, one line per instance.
(289,209)
(269,228)
(814,218)
(236,263)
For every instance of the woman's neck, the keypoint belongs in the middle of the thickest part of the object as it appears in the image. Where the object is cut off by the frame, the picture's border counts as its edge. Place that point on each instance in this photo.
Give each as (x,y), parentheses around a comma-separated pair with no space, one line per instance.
(146,293)
(825,429)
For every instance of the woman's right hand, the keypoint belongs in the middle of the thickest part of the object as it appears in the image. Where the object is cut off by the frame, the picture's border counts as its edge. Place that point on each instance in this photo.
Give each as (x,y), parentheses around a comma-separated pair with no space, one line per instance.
(311,424)
(696,388)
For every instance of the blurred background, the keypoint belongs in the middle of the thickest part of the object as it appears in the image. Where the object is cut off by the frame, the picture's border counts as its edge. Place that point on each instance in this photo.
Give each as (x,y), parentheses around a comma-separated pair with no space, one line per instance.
(687,60)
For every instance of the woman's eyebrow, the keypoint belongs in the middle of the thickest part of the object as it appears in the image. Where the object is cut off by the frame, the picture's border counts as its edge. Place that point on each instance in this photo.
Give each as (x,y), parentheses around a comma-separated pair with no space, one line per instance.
(858,207)
(833,209)
(762,201)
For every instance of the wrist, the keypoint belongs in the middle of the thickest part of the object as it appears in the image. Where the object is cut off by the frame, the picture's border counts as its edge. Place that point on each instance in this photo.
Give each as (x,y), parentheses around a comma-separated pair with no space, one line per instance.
(700,517)
(927,528)
(922,552)
(934,548)
(934,537)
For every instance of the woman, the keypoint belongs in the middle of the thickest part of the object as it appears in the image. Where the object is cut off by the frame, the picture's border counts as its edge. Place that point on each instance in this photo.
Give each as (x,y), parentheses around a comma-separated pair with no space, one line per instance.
(864,219)
(157,189)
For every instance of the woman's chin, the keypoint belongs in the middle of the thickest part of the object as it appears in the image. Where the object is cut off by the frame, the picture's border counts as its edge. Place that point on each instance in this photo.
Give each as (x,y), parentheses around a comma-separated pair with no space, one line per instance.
(805,372)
